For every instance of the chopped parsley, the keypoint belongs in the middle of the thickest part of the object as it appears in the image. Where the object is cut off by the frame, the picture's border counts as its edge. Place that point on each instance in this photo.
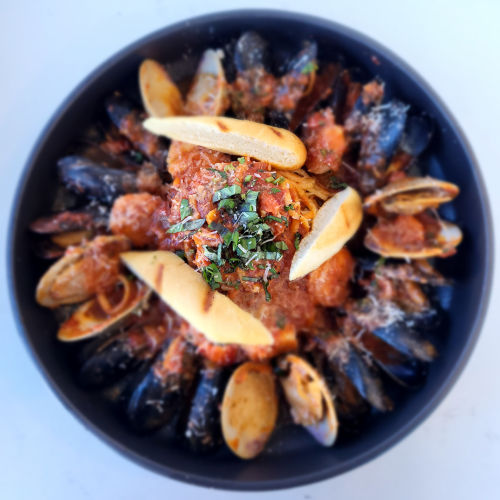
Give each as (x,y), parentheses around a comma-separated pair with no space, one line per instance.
(336,184)
(186,226)
(226,192)
(298,237)
(185,210)
(220,172)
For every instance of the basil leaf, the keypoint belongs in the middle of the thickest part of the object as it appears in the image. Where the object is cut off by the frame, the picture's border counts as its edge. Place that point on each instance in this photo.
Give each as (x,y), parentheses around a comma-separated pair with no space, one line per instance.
(186,226)
(268,295)
(277,219)
(275,190)
(226,192)
(248,178)
(249,278)
(227,204)
(246,217)
(241,160)
(181,254)
(269,179)
(298,237)
(281,245)
(220,172)
(185,210)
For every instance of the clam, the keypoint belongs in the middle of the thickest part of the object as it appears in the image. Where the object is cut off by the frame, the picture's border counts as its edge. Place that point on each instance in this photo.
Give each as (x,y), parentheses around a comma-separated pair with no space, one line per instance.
(98,316)
(413,195)
(311,402)
(209,92)
(383,240)
(160,95)
(249,409)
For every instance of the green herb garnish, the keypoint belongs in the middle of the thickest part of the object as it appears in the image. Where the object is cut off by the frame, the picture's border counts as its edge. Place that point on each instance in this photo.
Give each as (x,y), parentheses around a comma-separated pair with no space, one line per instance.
(226,192)
(185,210)
(309,68)
(269,179)
(241,160)
(298,237)
(220,172)
(275,190)
(181,254)
(186,226)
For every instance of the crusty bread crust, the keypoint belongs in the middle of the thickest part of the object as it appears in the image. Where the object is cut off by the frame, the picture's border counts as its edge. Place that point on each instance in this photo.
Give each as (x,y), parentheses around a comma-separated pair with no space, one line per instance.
(272,145)
(335,223)
(185,291)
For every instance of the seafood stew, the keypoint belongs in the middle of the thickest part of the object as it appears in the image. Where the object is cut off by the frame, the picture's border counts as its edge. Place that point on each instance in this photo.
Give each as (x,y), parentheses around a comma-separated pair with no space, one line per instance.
(311,355)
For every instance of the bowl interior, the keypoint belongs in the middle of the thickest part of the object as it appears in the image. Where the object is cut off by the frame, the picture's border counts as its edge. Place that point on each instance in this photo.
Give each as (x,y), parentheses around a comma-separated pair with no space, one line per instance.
(292,458)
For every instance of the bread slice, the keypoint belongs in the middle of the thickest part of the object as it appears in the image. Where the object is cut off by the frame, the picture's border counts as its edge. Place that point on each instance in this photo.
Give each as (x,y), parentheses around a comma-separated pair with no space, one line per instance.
(335,223)
(187,293)
(272,145)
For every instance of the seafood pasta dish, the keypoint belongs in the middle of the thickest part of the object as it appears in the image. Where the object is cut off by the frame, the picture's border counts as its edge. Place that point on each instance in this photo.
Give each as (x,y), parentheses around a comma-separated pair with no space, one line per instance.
(251,250)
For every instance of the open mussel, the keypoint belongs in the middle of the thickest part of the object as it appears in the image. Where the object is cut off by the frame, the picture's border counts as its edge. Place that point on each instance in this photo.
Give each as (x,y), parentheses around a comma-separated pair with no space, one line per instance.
(82,272)
(299,79)
(249,409)
(161,394)
(106,311)
(208,94)
(309,399)
(253,90)
(128,119)
(94,181)
(106,361)
(412,195)
(202,431)
(413,237)
(382,129)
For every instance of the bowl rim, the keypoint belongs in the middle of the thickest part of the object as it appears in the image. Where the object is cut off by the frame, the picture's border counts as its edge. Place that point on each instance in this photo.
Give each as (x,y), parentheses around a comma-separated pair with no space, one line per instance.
(358,460)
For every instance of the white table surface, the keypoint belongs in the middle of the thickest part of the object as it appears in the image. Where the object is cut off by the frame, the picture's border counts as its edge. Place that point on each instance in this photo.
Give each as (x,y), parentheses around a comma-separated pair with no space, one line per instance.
(46,48)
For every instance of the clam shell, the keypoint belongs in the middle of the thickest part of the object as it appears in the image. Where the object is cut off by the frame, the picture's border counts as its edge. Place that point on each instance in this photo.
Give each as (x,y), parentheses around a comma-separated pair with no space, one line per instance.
(249,409)
(160,95)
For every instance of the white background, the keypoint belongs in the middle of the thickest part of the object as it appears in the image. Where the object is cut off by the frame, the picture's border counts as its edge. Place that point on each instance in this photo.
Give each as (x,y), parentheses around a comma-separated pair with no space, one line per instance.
(46,48)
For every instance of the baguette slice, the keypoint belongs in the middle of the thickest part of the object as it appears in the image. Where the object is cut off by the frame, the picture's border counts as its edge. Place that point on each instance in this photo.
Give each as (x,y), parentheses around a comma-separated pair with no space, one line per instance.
(335,223)
(185,291)
(272,145)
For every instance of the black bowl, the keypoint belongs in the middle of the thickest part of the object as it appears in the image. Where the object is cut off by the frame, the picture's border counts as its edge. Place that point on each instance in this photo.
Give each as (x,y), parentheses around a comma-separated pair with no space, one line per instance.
(292,458)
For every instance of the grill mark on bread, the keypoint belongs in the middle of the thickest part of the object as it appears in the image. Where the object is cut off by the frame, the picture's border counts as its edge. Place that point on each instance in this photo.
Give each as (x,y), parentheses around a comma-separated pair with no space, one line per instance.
(277,132)
(222,126)
(159,276)
(209,298)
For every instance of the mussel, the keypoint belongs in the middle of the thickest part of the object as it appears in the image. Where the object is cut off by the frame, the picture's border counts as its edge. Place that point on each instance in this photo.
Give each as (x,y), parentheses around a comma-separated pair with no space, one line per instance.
(106,361)
(82,271)
(412,195)
(208,94)
(249,409)
(202,431)
(164,390)
(94,181)
(99,315)
(308,396)
(382,129)
(413,237)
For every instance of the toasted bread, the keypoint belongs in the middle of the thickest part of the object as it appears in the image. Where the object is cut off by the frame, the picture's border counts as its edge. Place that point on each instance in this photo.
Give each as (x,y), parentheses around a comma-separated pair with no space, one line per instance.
(186,292)
(335,223)
(272,145)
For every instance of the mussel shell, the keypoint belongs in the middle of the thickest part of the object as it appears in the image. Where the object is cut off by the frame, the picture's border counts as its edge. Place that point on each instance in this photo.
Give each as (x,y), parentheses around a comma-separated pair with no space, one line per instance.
(89,320)
(202,431)
(448,238)
(94,181)
(407,341)
(71,220)
(417,134)
(364,376)
(249,409)
(306,56)
(252,51)
(309,398)
(161,395)
(412,195)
